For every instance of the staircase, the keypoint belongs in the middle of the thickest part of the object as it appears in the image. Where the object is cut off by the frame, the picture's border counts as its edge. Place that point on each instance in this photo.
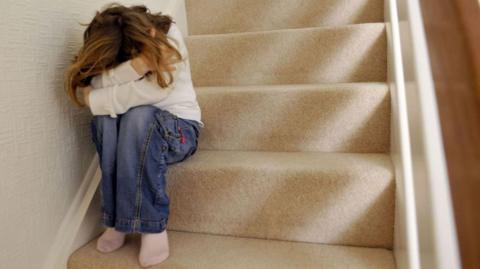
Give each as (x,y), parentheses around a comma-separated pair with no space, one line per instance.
(293,169)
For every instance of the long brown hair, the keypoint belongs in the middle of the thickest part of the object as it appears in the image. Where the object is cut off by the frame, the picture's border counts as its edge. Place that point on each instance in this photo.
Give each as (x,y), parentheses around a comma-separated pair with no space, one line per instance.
(119,33)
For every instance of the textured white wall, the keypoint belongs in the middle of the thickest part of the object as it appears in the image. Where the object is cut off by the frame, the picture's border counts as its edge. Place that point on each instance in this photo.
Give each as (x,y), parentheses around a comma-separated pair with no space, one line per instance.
(45,144)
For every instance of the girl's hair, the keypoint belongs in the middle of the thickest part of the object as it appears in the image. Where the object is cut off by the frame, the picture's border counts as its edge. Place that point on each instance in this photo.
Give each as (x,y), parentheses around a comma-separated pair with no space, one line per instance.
(117,34)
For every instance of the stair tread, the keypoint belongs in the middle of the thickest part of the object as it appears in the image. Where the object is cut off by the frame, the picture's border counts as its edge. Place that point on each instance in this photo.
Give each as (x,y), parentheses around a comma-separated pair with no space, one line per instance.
(202,251)
(352,53)
(278,160)
(303,86)
(287,30)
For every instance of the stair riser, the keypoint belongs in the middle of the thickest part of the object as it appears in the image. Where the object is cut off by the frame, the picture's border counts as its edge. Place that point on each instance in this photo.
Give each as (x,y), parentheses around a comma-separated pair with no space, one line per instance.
(328,119)
(350,204)
(261,15)
(309,55)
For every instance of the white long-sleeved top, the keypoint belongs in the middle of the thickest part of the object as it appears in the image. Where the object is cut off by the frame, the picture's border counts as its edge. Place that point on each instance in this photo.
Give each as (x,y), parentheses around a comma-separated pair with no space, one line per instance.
(118,89)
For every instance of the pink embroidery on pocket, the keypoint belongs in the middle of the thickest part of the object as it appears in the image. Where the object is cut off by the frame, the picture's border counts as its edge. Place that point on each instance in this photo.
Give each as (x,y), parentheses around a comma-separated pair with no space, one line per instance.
(183,140)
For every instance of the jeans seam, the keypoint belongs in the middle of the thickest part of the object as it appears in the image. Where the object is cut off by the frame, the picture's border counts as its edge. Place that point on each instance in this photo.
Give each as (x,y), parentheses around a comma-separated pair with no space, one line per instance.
(128,225)
(98,145)
(140,175)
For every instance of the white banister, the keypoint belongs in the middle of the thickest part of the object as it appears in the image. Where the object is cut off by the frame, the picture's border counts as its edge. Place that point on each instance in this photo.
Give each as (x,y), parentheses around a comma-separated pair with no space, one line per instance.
(405,235)
(426,238)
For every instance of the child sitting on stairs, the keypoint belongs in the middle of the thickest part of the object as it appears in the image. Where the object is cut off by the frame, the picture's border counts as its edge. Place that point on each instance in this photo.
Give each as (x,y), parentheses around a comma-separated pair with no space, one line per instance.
(142,121)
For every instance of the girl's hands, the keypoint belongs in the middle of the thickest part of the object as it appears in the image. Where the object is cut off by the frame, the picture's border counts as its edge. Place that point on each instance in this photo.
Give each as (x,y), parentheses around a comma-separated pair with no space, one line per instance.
(85,92)
(145,61)
(142,65)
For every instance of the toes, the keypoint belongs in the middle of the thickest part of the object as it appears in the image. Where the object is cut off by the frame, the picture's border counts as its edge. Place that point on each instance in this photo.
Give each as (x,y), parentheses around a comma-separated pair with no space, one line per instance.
(106,246)
(150,261)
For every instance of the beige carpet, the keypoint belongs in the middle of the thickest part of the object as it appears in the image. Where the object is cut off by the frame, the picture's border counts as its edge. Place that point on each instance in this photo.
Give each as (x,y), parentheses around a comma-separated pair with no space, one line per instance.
(355,53)
(199,251)
(227,16)
(339,198)
(352,117)
(293,169)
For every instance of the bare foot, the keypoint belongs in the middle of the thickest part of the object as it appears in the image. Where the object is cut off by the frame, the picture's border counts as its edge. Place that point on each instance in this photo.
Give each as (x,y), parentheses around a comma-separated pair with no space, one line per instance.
(154,248)
(110,240)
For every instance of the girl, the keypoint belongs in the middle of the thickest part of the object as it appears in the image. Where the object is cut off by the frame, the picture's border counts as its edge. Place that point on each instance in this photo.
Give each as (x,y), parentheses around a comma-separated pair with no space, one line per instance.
(133,74)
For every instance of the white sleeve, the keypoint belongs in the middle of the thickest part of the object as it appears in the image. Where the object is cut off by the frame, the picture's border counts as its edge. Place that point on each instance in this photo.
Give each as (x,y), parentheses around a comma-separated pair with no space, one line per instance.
(122,73)
(175,32)
(117,99)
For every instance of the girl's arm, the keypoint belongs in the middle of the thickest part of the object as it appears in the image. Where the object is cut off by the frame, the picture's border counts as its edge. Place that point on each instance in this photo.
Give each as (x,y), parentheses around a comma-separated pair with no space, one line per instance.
(137,67)
(130,70)
(117,99)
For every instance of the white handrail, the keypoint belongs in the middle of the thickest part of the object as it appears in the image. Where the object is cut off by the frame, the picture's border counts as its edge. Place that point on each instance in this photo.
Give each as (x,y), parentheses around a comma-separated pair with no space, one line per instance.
(438,246)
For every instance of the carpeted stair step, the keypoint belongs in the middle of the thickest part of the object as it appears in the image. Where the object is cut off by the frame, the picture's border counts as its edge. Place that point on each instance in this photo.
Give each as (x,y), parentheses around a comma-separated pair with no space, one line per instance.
(332,198)
(202,251)
(350,117)
(260,15)
(354,53)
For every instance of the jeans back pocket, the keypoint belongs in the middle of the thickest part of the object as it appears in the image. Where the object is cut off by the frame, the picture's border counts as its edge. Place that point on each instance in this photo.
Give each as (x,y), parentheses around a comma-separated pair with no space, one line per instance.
(167,124)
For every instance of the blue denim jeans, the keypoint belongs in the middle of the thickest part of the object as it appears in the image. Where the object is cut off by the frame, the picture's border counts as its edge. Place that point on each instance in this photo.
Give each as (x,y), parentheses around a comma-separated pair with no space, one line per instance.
(134,151)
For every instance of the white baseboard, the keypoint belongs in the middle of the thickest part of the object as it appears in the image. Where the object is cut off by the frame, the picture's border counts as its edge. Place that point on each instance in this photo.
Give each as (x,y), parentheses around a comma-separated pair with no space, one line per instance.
(60,249)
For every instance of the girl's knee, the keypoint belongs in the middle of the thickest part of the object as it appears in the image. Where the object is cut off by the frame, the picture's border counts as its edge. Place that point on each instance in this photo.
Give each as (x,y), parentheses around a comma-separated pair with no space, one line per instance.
(102,119)
(137,118)
(100,122)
